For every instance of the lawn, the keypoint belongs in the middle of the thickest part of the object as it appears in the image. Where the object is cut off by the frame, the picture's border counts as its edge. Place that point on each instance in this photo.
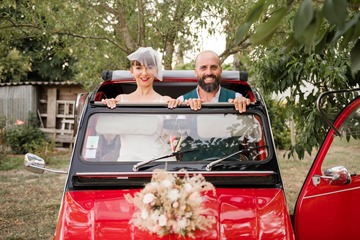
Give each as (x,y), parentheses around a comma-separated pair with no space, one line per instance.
(30,202)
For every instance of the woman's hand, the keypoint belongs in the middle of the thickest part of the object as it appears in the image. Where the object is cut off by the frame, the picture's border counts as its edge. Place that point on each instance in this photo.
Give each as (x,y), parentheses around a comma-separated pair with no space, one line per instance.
(110,102)
(173,103)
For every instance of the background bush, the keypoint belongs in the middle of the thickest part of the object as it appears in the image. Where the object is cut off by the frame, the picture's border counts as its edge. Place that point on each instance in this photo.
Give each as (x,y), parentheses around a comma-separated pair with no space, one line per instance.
(279,123)
(26,137)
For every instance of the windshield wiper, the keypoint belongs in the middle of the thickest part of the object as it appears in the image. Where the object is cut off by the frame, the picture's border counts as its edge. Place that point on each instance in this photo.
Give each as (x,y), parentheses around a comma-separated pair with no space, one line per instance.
(212,164)
(176,153)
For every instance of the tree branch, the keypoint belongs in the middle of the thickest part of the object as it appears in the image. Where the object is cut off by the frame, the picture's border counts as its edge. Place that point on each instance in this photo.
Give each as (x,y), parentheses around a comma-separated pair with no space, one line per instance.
(92,37)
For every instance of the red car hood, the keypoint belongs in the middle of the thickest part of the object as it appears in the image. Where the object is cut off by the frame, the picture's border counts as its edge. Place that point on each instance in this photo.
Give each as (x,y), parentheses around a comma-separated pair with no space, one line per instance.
(240,214)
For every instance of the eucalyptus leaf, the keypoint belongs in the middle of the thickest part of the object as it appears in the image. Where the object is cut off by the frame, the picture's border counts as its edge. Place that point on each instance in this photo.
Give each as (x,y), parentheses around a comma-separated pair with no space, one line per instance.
(251,17)
(268,28)
(335,11)
(355,58)
(353,22)
(303,18)
(310,32)
(255,12)
(241,32)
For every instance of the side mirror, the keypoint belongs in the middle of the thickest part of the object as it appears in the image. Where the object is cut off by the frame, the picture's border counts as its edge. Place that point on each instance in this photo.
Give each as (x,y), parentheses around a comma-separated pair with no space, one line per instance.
(339,175)
(34,163)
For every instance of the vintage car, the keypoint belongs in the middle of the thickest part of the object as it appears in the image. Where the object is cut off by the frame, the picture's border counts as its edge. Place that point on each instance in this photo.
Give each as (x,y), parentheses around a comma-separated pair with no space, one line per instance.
(117,150)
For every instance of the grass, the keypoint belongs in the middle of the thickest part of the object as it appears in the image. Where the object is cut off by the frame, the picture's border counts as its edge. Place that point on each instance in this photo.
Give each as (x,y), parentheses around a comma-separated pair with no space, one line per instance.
(30,202)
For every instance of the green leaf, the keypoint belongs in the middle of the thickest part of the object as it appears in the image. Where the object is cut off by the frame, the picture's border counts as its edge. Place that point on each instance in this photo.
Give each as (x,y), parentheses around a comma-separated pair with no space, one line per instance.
(323,42)
(310,32)
(355,58)
(303,18)
(241,32)
(290,43)
(268,28)
(348,25)
(255,12)
(252,16)
(335,12)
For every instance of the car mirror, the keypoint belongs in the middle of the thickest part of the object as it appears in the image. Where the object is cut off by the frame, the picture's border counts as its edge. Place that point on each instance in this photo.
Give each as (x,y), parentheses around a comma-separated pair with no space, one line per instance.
(339,175)
(34,163)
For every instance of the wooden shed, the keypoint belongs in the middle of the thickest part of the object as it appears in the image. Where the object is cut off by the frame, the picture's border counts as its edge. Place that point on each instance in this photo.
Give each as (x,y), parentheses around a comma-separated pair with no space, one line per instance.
(53,102)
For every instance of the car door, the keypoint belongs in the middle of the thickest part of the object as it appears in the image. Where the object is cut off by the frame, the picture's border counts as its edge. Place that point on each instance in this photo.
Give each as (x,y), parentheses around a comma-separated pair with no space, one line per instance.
(329,208)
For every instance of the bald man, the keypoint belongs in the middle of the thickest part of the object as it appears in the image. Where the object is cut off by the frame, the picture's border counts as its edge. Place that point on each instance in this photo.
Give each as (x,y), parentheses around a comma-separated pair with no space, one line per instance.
(208,72)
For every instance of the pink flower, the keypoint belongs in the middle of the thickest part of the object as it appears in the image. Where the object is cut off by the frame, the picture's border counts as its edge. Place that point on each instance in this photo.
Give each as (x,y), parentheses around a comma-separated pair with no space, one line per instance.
(175,204)
(19,122)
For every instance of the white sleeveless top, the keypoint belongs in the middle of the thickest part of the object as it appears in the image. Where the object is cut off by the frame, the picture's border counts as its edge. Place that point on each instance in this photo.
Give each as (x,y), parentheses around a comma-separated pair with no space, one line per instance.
(123,99)
(136,147)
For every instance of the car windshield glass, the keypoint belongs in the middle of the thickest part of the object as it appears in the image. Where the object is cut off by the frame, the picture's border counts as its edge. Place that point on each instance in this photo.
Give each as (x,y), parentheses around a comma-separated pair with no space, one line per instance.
(114,137)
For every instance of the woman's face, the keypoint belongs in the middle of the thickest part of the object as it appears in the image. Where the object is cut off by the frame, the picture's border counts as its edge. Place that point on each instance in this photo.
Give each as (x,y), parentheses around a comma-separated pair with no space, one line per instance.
(144,76)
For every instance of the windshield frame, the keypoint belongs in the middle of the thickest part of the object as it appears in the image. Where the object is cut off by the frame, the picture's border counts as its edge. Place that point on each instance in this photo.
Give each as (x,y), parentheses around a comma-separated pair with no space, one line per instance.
(162,109)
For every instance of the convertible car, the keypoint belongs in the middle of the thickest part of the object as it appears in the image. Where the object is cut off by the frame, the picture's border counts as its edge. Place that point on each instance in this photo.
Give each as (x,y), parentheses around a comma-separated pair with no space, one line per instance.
(116,152)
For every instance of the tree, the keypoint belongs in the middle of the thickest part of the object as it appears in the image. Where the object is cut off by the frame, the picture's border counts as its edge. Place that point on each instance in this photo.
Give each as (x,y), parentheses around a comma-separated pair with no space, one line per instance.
(27,57)
(321,52)
(100,34)
(314,25)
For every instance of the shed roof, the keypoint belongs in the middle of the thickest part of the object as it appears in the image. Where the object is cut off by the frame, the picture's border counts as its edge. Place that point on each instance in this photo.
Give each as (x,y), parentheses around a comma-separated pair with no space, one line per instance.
(39,83)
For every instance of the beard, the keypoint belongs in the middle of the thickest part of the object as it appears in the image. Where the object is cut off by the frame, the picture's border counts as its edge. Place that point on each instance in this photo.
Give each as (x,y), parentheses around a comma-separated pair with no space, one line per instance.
(209,87)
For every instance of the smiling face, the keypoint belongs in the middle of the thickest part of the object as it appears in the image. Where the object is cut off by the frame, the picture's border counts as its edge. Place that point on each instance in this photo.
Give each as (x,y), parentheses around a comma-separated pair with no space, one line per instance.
(208,71)
(144,76)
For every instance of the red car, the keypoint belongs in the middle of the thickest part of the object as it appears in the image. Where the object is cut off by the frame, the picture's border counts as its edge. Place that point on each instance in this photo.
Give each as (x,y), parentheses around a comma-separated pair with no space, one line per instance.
(117,150)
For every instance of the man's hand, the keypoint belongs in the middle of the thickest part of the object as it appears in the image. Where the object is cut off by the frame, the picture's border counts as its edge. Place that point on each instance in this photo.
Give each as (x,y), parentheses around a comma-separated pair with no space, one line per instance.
(194,103)
(240,103)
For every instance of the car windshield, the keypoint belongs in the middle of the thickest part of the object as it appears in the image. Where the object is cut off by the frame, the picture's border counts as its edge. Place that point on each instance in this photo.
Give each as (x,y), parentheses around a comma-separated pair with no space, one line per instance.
(134,137)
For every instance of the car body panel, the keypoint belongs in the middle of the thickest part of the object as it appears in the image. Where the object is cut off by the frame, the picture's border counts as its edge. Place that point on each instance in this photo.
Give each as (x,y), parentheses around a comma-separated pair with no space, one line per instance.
(240,213)
(333,207)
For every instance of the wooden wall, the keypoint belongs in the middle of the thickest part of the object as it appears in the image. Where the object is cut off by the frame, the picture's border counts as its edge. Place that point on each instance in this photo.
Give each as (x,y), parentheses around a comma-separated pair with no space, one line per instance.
(53,103)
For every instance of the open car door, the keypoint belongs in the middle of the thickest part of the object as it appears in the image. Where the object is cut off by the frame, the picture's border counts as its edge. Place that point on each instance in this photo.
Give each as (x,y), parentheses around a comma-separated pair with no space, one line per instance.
(328,206)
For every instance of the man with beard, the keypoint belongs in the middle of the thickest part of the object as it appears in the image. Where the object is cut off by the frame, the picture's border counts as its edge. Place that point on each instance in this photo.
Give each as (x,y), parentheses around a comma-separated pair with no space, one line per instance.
(208,72)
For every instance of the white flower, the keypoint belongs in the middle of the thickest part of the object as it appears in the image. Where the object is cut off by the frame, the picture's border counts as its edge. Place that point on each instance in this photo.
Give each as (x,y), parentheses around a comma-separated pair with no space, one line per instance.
(144,214)
(173,195)
(153,184)
(166,183)
(162,220)
(182,223)
(187,187)
(148,198)
(155,215)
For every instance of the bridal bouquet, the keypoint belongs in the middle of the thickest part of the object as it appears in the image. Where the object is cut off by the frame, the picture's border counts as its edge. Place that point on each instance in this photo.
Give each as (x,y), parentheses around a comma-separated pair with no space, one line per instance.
(170,204)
